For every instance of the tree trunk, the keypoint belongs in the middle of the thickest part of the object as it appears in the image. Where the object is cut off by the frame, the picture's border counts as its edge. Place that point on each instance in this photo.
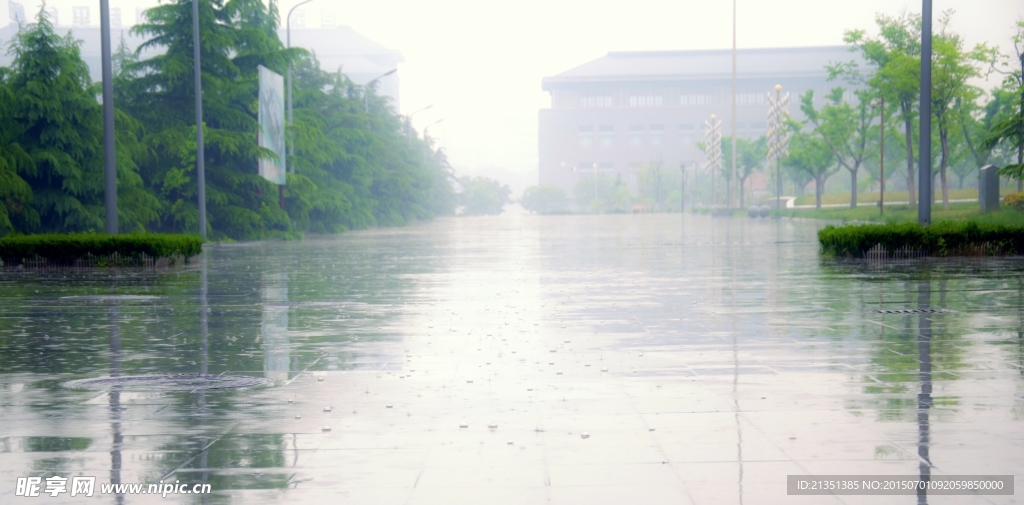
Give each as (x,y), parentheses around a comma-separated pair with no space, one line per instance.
(853,189)
(961,181)
(944,142)
(909,134)
(819,188)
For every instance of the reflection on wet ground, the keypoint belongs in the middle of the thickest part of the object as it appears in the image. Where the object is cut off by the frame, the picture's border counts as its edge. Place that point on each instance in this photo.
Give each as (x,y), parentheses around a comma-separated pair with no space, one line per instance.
(518,359)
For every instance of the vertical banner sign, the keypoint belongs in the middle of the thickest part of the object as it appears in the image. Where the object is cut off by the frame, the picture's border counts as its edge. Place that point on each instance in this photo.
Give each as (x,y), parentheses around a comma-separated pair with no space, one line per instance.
(271,118)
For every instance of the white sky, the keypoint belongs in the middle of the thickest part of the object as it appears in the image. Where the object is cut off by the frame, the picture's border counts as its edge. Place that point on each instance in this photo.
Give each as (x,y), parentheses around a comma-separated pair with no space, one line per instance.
(480,63)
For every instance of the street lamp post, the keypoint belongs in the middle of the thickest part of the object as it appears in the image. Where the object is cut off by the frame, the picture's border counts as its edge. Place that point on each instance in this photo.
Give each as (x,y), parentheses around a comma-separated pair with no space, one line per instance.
(366,90)
(200,148)
(409,119)
(924,202)
(428,126)
(288,37)
(682,188)
(109,154)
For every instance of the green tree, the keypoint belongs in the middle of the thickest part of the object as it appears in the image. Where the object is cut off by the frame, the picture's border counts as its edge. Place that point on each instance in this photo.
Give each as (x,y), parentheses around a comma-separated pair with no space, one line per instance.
(952,67)
(895,55)
(845,129)
(808,153)
(59,128)
(1010,129)
(544,199)
(483,196)
(750,157)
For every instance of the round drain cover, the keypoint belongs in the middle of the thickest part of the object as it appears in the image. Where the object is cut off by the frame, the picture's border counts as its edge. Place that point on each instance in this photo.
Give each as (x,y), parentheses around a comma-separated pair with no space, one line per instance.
(182,382)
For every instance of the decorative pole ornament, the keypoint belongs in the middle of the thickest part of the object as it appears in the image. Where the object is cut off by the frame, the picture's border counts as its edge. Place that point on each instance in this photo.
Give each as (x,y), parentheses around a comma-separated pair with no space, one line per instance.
(713,150)
(778,136)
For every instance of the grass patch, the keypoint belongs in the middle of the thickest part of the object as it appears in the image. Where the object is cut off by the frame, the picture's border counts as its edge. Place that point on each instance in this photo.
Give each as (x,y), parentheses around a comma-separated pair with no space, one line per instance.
(949,238)
(902,214)
(97,250)
(891,196)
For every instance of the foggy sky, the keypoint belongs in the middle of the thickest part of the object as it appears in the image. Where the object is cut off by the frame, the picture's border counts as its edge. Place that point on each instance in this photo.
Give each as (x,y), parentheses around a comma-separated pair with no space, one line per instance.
(480,63)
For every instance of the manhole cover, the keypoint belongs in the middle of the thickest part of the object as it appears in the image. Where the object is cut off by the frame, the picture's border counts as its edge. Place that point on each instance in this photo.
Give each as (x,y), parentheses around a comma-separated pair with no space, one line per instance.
(909,311)
(111,298)
(182,382)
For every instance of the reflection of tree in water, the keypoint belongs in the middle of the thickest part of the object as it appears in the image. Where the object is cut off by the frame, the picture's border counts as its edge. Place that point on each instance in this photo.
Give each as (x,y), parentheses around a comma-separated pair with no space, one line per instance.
(894,373)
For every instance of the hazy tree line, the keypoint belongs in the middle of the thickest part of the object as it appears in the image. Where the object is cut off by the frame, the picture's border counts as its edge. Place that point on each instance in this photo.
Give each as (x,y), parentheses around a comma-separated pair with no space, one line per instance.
(353,168)
(971,127)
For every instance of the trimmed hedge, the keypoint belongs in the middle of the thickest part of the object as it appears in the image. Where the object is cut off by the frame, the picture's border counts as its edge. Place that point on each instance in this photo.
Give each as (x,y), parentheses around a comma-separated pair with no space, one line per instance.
(66,249)
(954,238)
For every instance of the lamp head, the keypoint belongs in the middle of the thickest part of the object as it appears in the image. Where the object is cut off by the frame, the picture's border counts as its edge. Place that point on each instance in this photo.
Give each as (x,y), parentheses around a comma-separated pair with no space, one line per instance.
(778,87)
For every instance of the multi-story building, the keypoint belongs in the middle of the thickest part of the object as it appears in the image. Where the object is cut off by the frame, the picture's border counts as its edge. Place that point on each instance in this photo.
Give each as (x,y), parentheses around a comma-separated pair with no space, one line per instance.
(623,110)
(336,46)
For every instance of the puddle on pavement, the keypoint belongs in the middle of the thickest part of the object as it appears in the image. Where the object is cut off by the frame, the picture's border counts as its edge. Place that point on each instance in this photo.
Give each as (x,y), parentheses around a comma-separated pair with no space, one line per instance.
(430,348)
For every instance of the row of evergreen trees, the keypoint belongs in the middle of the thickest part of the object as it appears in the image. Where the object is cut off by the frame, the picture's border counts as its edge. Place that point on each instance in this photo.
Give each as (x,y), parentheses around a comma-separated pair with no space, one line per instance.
(352,168)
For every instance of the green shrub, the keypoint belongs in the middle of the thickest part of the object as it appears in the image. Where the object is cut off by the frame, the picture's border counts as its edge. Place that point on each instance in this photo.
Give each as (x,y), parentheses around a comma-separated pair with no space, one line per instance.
(963,238)
(1015,201)
(62,249)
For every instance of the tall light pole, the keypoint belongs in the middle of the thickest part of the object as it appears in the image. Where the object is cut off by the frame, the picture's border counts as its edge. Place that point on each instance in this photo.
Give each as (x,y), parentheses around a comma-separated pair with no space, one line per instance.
(366,89)
(288,38)
(682,187)
(200,149)
(924,151)
(733,173)
(109,154)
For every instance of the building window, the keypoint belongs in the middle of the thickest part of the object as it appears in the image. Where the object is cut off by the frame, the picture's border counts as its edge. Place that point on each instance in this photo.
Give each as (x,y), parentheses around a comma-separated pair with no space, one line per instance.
(595,101)
(686,126)
(115,17)
(606,128)
(636,127)
(759,125)
(656,140)
(586,128)
(644,100)
(52,12)
(584,166)
(586,140)
(606,165)
(686,140)
(750,98)
(80,16)
(606,140)
(636,140)
(327,18)
(299,18)
(695,99)
(656,127)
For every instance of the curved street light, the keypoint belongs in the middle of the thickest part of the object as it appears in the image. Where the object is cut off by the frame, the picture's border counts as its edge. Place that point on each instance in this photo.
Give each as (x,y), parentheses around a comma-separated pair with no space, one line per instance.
(288,36)
(366,88)
(428,126)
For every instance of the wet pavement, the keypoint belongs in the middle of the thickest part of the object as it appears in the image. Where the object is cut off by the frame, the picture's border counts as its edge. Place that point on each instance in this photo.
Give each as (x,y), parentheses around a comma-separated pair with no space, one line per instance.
(516,359)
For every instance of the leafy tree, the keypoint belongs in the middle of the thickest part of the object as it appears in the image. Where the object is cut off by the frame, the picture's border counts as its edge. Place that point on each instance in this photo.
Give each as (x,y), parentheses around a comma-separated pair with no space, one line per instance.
(544,199)
(952,67)
(483,196)
(1010,129)
(657,187)
(845,128)
(895,55)
(16,211)
(808,153)
(750,156)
